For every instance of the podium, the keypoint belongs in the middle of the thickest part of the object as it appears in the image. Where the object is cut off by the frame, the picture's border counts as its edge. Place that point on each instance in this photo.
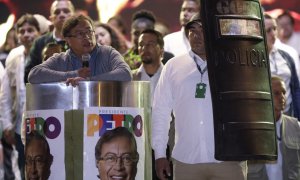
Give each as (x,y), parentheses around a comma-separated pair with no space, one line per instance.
(64,115)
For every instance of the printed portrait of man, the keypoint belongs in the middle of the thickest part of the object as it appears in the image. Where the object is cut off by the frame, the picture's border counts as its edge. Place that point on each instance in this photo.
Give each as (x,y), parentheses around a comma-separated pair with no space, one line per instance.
(116,155)
(38,158)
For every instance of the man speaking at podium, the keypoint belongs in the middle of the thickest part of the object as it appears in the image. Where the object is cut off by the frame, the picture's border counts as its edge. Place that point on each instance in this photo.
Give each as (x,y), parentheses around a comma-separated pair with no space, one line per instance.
(85,60)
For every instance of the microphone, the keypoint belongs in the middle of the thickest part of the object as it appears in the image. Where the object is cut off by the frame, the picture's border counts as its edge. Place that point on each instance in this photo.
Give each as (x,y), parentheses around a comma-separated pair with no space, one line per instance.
(85,60)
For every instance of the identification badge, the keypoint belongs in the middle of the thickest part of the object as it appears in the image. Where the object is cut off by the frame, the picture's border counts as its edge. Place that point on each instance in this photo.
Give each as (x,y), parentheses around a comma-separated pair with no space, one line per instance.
(200,90)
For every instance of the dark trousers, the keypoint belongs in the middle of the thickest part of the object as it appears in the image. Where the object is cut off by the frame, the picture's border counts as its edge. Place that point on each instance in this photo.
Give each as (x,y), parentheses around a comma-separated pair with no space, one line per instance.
(7,163)
(9,174)
(21,159)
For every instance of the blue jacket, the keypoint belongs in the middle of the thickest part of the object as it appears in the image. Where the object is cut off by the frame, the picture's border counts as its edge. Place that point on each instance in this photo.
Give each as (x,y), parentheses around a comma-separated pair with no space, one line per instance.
(294,84)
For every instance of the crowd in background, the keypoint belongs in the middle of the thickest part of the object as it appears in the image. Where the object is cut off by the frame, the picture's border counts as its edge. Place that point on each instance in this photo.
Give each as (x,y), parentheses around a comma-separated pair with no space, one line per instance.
(35,40)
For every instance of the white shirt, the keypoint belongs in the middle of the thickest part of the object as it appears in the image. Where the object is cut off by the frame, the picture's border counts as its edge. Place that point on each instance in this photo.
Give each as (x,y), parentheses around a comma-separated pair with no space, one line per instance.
(274,169)
(1,72)
(292,52)
(13,85)
(153,79)
(57,39)
(177,43)
(279,67)
(194,130)
(1,107)
(294,41)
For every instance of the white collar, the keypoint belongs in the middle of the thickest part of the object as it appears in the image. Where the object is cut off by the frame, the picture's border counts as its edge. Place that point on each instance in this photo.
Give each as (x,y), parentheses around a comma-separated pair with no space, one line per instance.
(54,37)
(199,60)
(141,69)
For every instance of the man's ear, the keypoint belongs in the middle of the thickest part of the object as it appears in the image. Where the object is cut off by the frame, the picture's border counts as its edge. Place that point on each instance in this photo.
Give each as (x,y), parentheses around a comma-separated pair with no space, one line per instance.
(49,163)
(97,163)
(98,167)
(67,40)
(162,51)
(51,18)
(50,159)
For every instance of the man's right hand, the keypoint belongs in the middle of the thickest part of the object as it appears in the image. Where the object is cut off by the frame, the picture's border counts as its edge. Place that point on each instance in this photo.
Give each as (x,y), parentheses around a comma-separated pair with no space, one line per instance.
(84,72)
(162,166)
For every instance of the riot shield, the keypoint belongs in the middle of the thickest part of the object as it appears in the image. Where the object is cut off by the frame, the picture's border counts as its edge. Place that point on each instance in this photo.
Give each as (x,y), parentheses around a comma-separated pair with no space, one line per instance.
(239,74)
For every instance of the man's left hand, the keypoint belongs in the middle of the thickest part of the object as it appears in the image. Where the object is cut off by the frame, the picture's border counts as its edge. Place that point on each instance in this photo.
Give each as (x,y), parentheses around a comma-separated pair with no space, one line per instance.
(74,81)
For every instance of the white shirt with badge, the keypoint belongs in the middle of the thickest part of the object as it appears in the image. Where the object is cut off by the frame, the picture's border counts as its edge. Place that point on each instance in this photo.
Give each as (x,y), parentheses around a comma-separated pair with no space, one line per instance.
(177,90)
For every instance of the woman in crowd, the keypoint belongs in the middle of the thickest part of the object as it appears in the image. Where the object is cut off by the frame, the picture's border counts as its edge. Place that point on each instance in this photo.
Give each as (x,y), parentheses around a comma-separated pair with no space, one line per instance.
(107,35)
(10,43)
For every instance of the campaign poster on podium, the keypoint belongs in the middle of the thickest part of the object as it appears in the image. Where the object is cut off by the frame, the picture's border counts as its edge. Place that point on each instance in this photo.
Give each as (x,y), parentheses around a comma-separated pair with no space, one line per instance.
(98,120)
(50,125)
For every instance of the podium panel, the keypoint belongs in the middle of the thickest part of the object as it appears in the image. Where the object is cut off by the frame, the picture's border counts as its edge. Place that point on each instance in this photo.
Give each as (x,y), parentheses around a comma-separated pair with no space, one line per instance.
(72,120)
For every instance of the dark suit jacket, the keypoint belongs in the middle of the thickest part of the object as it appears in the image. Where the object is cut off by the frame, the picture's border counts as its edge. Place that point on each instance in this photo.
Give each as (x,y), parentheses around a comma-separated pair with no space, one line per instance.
(167,56)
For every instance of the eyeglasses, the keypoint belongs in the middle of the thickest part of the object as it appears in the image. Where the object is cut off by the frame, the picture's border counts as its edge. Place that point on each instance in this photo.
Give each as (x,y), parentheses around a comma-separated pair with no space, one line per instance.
(83,34)
(149,44)
(126,159)
(37,160)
